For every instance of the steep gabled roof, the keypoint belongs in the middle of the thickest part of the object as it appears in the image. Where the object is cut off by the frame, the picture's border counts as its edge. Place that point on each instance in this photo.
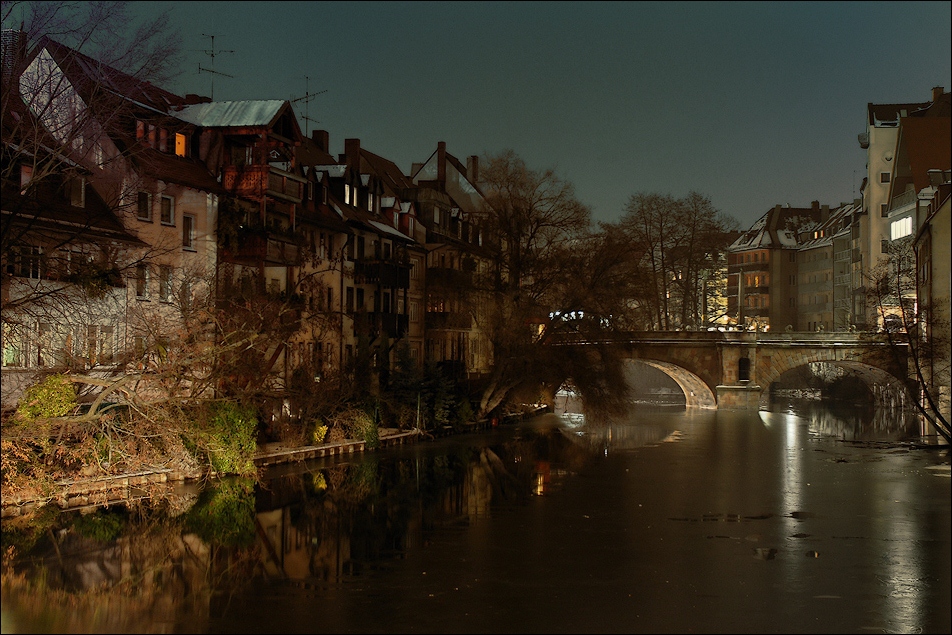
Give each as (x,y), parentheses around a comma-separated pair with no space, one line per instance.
(778,228)
(234,114)
(387,171)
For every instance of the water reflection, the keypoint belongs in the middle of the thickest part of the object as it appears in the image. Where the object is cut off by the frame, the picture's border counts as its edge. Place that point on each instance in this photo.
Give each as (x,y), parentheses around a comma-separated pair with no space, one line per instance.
(657,521)
(851,421)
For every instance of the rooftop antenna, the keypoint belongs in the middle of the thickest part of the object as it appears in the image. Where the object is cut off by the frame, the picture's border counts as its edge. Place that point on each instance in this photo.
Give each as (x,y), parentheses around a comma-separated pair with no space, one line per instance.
(308,96)
(212,53)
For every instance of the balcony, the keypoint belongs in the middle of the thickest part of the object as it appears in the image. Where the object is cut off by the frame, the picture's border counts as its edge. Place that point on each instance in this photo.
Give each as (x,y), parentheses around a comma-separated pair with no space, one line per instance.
(376,324)
(382,272)
(902,202)
(257,245)
(256,181)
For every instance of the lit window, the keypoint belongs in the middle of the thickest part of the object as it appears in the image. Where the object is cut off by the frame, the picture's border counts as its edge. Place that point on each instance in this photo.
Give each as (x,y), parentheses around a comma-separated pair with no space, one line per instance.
(181,145)
(900,228)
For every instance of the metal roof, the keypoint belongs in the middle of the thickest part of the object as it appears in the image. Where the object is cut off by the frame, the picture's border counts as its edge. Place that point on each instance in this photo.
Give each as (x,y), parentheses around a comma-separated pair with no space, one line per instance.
(224,114)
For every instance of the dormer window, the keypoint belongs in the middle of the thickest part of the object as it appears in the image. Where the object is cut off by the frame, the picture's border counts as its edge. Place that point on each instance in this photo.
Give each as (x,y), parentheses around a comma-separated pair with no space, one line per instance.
(26,175)
(77,191)
(181,144)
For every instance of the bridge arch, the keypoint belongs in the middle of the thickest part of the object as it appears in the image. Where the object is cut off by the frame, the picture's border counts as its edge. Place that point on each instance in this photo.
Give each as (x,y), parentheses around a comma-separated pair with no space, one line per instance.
(697,394)
(884,386)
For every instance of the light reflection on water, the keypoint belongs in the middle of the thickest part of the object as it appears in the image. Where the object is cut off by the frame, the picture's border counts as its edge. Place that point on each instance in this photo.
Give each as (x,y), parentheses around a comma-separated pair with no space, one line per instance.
(853,422)
(659,521)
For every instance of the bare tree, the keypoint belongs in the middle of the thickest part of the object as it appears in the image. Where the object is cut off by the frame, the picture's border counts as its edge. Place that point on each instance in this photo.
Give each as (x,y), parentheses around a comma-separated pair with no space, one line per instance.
(546,281)
(677,244)
(892,295)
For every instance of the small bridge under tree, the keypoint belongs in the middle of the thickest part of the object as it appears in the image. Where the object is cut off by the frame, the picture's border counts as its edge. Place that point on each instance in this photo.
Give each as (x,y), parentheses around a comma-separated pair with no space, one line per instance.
(735,369)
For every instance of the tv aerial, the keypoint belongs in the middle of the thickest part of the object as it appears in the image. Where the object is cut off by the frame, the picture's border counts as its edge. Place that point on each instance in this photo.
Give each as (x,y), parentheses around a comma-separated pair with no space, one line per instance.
(212,53)
(308,96)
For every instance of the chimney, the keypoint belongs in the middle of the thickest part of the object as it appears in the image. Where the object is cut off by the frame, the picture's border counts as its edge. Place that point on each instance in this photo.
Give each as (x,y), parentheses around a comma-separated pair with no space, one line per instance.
(815,206)
(441,162)
(937,92)
(472,168)
(14,50)
(192,99)
(321,138)
(352,154)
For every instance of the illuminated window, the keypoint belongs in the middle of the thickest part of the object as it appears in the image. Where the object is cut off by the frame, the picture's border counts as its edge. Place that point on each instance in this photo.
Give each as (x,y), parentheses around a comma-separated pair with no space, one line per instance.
(900,228)
(181,145)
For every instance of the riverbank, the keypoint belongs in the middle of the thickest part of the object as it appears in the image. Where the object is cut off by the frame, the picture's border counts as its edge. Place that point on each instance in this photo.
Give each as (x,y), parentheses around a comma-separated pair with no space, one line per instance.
(100,491)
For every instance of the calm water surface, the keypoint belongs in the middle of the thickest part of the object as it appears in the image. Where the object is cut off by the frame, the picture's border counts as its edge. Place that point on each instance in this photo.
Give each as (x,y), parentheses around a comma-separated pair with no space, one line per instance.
(669,521)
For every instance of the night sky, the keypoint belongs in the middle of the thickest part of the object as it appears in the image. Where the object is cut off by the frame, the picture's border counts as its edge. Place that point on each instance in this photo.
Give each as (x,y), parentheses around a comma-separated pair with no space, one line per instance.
(751,104)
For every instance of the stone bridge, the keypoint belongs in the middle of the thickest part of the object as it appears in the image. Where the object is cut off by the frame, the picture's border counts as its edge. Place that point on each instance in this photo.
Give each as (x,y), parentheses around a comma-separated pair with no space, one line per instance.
(735,369)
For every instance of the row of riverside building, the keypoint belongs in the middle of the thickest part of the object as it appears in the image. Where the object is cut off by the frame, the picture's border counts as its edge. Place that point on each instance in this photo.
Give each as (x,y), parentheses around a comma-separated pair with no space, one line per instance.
(196,198)
(809,269)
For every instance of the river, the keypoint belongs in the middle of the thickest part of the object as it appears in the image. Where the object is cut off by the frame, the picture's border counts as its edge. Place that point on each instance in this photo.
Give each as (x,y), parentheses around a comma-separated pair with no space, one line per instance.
(798,520)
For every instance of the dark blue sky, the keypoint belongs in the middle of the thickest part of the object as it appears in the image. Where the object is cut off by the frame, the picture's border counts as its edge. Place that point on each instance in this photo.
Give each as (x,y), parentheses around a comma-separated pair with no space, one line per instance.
(751,104)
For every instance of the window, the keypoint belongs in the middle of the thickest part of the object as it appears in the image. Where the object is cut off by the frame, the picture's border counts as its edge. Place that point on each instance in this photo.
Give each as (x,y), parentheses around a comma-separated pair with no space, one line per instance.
(181,144)
(25,261)
(12,345)
(106,344)
(144,209)
(167,213)
(165,283)
(188,231)
(26,175)
(163,140)
(77,192)
(142,281)
(900,228)
(92,344)
(884,177)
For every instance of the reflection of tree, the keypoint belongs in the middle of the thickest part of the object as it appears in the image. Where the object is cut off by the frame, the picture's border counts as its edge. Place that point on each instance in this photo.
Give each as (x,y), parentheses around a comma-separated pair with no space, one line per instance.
(114,571)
